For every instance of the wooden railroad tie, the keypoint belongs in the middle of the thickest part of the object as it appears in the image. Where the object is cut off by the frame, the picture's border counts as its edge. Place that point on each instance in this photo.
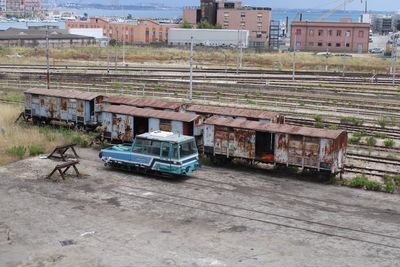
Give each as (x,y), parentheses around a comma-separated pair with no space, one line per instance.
(61,150)
(64,167)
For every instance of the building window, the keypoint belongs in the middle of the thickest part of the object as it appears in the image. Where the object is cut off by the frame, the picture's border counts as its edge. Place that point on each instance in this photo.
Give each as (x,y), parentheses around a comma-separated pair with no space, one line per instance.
(226,14)
(320,32)
(361,34)
(242,14)
(337,44)
(329,44)
(258,35)
(319,44)
(311,33)
(347,45)
(298,44)
(259,28)
(298,31)
(348,34)
(242,24)
(311,44)
(330,33)
(160,34)
(339,33)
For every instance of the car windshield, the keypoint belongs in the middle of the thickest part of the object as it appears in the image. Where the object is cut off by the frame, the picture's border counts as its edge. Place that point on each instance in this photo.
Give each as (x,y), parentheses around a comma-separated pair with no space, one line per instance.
(187,149)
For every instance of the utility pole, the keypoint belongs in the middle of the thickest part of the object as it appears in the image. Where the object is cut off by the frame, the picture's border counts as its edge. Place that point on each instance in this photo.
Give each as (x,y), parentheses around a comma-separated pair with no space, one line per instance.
(241,50)
(344,56)
(108,58)
(47,57)
(394,60)
(191,69)
(123,44)
(294,57)
(116,56)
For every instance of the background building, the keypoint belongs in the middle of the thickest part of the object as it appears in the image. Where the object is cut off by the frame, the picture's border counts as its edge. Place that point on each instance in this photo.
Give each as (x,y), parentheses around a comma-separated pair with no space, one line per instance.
(232,15)
(384,24)
(330,36)
(36,37)
(2,5)
(23,7)
(209,37)
(136,32)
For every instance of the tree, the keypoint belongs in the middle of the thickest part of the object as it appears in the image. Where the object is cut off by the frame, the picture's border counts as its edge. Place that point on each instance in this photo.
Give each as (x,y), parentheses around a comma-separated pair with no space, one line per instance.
(85,15)
(129,16)
(113,42)
(187,25)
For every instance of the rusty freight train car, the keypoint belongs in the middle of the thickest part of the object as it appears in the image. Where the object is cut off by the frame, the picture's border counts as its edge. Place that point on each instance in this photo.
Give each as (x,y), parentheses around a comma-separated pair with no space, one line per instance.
(70,106)
(143,103)
(304,147)
(122,123)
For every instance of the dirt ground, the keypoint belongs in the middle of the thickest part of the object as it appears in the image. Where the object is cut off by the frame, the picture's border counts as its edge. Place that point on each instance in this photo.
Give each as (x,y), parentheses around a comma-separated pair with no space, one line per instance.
(216,217)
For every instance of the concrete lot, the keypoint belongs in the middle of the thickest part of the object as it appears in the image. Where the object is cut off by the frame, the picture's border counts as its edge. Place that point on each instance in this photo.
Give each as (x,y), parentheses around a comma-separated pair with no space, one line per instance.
(217,217)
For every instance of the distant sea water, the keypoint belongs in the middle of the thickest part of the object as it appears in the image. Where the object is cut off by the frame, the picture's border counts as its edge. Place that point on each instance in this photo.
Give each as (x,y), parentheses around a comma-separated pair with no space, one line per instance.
(172,13)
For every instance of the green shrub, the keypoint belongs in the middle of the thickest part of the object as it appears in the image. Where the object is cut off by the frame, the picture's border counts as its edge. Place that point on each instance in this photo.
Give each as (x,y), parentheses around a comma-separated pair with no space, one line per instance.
(397,180)
(80,141)
(333,127)
(373,186)
(355,140)
(319,124)
(380,135)
(371,141)
(318,118)
(18,151)
(361,133)
(388,142)
(359,182)
(352,121)
(36,150)
(390,185)
(383,121)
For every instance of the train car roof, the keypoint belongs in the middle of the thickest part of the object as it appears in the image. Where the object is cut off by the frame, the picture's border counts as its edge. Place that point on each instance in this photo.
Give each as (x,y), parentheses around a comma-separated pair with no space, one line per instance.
(274,127)
(141,102)
(64,93)
(165,136)
(152,113)
(231,111)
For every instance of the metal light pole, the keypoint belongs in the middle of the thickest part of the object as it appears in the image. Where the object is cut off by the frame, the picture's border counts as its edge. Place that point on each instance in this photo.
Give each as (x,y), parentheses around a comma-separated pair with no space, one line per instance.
(123,44)
(47,57)
(294,57)
(344,56)
(191,69)
(241,51)
(394,61)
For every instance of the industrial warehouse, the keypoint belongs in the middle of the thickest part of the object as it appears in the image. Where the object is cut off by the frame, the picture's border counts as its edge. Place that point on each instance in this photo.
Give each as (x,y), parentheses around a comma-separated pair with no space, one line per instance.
(203,133)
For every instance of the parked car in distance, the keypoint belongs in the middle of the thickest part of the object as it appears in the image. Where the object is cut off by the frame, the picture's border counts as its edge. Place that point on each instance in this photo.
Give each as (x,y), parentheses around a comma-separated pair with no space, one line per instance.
(376,50)
(325,54)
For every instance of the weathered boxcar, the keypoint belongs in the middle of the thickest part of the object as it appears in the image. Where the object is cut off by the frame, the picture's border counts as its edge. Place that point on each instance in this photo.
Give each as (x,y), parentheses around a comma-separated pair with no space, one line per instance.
(311,148)
(122,123)
(207,111)
(45,105)
(143,103)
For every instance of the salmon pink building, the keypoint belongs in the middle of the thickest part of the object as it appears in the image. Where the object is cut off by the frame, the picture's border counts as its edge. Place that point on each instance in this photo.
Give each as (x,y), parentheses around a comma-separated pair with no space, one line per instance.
(142,31)
(348,37)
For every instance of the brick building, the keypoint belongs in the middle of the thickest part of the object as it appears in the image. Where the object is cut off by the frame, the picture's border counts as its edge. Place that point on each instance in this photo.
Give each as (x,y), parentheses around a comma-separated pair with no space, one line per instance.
(232,15)
(23,7)
(2,5)
(315,36)
(140,32)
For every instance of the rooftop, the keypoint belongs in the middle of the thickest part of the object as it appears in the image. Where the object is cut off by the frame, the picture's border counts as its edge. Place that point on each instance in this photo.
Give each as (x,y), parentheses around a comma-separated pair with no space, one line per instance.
(64,93)
(234,112)
(274,128)
(140,102)
(151,113)
(165,136)
(38,34)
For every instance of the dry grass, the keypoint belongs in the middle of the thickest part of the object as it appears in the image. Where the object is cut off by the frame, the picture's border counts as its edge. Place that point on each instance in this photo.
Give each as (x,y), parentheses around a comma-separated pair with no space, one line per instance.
(214,57)
(12,135)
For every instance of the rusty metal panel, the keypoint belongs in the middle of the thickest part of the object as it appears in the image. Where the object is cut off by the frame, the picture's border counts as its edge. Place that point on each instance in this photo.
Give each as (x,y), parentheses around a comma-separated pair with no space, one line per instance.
(295,150)
(244,144)
(221,140)
(311,152)
(281,148)
(208,136)
(165,125)
(326,151)
(28,101)
(72,109)
(122,127)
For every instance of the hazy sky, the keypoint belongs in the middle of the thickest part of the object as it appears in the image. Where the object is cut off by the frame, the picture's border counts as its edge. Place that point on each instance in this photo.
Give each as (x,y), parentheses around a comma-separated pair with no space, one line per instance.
(386,5)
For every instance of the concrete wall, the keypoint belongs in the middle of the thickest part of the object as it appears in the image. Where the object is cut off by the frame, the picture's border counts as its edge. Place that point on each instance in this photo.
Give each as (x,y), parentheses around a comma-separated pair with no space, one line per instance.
(208,37)
(330,36)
